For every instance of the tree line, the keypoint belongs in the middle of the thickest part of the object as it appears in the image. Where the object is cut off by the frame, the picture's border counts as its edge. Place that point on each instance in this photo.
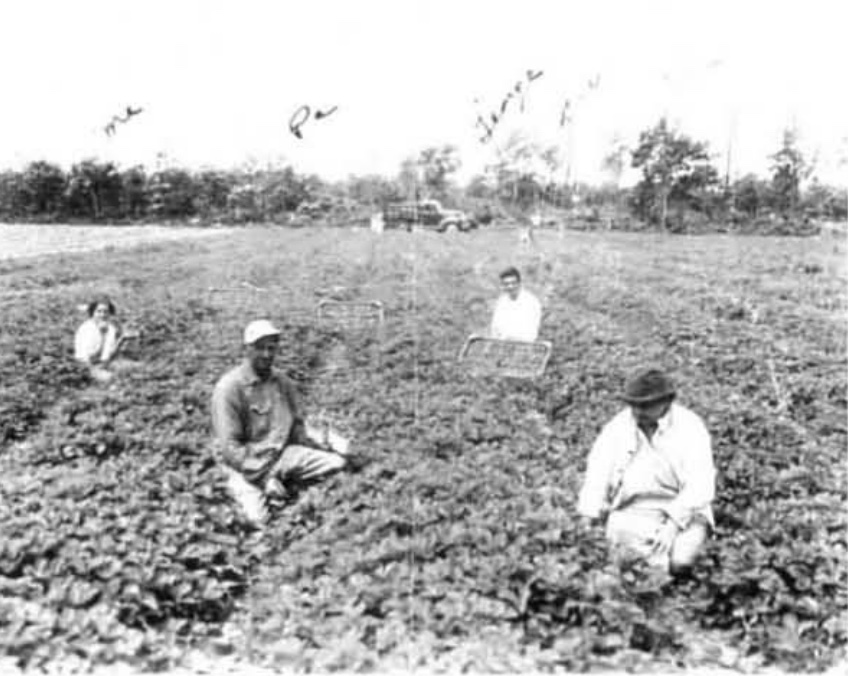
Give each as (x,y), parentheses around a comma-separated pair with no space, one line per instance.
(101,192)
(680,189)
(679,179)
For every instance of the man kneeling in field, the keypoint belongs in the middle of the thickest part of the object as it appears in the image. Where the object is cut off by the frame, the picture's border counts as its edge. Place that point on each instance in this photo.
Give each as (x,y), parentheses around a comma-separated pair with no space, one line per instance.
(259,433)
(651,476)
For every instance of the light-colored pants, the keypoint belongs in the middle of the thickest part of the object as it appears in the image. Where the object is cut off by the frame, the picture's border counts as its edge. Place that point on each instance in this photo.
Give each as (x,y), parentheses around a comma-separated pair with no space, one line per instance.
(297,462)
(633,533)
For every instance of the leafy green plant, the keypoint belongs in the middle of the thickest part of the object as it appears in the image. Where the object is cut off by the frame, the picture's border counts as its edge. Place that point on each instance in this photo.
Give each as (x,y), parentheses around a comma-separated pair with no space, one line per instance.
(455,545)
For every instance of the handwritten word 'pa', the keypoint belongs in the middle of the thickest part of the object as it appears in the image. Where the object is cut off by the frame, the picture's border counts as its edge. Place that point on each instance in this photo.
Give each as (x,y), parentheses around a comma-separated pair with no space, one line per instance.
(109,129)
(301,116)
(489,125)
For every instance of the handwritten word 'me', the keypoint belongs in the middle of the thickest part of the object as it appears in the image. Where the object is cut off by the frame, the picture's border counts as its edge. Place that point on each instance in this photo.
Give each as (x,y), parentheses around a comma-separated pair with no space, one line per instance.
(301,116)
(495,117)
(109,129)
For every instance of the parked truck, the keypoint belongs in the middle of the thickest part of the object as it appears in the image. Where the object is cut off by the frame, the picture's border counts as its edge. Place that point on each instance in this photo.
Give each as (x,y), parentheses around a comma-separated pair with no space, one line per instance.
(427,214)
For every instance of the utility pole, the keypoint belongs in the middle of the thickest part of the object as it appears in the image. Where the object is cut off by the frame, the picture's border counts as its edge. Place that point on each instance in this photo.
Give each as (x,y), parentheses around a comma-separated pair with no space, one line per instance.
(729,157)
(843,162)
(731,133)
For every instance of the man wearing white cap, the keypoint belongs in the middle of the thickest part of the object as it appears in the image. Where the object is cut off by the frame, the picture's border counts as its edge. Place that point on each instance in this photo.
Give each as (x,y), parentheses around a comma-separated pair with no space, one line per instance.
(259,433)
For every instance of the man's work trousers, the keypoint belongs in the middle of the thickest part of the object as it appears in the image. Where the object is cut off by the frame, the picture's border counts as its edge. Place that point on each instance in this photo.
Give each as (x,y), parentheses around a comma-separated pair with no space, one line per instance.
(634,532)
(297,463)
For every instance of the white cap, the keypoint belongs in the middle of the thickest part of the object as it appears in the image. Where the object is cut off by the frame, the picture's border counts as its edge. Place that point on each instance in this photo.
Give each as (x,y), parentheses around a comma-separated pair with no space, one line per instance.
(259,329)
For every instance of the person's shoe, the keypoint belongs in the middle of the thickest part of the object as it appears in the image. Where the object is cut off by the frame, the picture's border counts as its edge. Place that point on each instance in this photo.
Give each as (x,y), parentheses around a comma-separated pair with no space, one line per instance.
(274,489)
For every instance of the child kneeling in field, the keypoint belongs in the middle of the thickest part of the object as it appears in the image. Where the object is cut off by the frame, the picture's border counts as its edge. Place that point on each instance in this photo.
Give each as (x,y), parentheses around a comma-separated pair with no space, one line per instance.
(260,437)
(97,341)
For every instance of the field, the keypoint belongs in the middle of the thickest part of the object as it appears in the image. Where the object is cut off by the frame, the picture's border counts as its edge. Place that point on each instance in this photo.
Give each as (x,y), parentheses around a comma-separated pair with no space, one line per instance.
(35,240)
(453,544)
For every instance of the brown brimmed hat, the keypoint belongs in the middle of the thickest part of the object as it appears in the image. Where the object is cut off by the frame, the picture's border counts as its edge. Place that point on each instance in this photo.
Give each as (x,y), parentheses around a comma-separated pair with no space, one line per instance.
(647,387)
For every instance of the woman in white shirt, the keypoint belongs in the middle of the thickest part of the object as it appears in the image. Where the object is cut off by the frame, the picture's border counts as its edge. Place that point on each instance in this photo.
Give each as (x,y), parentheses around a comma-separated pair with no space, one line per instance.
(97,341)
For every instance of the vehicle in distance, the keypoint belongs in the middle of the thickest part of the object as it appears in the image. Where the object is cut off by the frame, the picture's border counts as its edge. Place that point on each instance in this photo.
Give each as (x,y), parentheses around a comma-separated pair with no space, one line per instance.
(428,214)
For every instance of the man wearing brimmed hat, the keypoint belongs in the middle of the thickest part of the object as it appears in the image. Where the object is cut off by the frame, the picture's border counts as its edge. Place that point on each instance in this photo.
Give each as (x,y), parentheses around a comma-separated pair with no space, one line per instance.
(259,433)
(650,476)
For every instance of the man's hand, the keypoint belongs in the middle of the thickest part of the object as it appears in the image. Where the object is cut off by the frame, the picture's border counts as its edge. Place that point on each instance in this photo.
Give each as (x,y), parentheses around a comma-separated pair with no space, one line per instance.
(275,490)
(318,437)
(325,439)
(664,537)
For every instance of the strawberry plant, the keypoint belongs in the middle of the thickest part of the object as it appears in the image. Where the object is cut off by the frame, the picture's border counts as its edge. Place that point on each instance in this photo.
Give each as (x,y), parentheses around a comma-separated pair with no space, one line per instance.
(454,545)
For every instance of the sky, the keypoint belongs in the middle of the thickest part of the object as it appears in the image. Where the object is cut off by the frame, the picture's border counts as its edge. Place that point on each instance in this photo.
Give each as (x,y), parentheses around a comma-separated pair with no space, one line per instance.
(218,81)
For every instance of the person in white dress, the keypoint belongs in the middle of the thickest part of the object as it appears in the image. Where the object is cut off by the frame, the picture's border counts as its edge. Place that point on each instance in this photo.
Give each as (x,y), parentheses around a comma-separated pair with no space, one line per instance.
(98,342)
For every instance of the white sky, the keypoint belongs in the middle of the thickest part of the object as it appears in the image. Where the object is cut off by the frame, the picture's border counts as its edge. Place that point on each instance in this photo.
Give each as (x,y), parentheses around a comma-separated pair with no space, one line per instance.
(219,79)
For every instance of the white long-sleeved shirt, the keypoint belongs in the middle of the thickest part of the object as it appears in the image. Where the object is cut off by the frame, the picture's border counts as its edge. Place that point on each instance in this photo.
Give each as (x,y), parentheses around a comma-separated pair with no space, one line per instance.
(91,345)
(517,319)
(673,472)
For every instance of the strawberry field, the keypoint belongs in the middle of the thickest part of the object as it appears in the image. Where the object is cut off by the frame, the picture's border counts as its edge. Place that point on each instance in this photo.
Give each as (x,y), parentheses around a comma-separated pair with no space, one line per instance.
(452,544)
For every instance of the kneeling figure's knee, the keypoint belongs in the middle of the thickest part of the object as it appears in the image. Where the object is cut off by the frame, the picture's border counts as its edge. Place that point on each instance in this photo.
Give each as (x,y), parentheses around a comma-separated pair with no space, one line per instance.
(688,546)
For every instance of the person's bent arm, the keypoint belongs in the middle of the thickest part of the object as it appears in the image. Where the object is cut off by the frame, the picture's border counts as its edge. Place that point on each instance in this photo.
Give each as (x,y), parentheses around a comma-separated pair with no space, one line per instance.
(536,319)
(496,329)
(592,502)
(698,478)
(111,344)
(86,344)
(227,427)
